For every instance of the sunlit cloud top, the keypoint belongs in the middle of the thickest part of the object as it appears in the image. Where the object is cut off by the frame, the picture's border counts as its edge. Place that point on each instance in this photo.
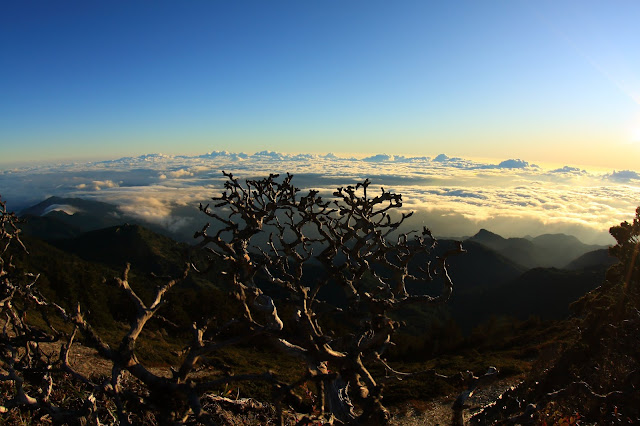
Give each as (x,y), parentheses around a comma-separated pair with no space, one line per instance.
(453,195)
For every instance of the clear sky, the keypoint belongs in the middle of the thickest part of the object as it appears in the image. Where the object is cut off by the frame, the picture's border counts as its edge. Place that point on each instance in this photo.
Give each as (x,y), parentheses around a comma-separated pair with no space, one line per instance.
(555,81)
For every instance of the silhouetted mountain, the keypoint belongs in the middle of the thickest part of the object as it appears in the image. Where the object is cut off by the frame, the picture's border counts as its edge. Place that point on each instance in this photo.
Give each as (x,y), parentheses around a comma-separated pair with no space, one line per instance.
(73,205)
(553,249)
(53,226)
(68,280)
(596,259)
(487,281)
(489,239)
(78,275)
(58,217)
(519,250)
(74,216)
(115,246)
(479,268)
(549,250)
(541,292)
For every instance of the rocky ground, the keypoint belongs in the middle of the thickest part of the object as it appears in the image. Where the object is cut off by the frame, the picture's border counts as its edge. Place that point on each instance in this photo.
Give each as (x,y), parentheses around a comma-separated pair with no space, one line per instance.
(87,362)
(439,411)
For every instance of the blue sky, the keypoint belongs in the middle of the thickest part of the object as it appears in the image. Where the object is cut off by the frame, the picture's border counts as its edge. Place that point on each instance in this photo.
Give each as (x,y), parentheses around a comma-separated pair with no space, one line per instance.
(555,82)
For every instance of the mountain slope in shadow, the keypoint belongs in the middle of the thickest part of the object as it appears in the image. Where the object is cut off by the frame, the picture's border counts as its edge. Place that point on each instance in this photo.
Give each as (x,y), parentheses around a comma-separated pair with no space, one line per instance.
(593,259)
(145,249)
(75,213)
(548,250)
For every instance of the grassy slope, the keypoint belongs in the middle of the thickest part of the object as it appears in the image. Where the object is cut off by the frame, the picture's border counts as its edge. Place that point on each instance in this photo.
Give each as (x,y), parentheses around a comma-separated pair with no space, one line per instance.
(66,276)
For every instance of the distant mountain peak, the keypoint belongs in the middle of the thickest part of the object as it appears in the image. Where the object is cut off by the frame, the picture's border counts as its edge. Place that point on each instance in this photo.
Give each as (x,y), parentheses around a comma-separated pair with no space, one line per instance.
(484,234)
(66,209)
(547,250)
(75,204)
(555,239)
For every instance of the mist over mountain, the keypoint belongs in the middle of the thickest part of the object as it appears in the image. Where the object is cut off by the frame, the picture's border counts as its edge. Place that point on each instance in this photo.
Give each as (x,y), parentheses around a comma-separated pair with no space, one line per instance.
(71,215)
(452,195)
(127,243)
(491,279)
(596,259)
(58,218)
(547,250)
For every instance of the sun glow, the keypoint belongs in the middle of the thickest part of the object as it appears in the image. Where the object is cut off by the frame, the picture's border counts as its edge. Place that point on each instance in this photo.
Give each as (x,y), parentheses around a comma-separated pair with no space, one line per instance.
(634,131)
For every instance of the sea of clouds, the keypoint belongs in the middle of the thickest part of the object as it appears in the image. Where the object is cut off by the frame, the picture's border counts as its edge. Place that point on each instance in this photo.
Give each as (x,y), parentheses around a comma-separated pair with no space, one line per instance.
(455,197)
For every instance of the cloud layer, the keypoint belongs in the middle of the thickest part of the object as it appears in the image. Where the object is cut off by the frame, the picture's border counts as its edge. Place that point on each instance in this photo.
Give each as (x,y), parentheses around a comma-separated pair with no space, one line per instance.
(454,196)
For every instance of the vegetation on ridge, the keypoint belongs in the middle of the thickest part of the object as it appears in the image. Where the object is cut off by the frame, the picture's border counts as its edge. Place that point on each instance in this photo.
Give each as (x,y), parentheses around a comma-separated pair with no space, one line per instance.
(597,378)
(349,235)
(283,337)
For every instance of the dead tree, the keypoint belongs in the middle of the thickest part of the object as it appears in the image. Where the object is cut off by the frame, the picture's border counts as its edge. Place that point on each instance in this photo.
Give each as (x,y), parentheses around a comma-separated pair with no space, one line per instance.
(267,230)
(27,369)
(596,379)
(265,234)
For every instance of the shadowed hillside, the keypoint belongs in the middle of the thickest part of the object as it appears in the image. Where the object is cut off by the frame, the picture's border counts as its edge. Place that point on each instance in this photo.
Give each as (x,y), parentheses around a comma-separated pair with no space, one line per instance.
(596,378)
(498,311)
(542,292)
(78,213)
(549,250)
(146,250)
(593,259)
(74,271)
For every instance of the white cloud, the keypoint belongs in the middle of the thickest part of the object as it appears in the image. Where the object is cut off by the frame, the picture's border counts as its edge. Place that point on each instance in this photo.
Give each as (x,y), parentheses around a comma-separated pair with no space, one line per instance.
(99,184)
(378,158)
(509,164)
(179,173)
(567,169)
(458,195)
(624,176)
(70,210)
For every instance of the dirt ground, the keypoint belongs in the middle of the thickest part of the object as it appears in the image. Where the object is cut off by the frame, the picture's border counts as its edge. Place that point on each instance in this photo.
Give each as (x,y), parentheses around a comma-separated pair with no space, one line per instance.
(439,411)
(88,363)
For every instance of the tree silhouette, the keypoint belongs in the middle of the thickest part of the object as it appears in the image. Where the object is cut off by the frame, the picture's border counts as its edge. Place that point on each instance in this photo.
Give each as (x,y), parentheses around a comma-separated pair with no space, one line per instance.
(269,231)
(338,268)
(596,379)
(627,250)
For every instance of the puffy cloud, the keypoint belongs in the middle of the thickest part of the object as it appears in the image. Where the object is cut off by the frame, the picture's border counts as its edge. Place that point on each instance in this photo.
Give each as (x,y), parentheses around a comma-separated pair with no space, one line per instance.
(463,193)
(509,164)
(98,185)
(152,209)
(624,176)
(225,154)
(378,158)
(270,154)
(403,159)
(179,173)
(515,164)
(567,169)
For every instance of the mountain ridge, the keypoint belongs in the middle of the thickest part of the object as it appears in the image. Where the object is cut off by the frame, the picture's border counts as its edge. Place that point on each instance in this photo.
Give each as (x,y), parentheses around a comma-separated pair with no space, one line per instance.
(546,250)
(128,243)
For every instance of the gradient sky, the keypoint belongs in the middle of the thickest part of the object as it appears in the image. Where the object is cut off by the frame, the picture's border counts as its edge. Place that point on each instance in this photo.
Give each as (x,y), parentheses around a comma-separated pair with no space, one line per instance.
(555,82)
